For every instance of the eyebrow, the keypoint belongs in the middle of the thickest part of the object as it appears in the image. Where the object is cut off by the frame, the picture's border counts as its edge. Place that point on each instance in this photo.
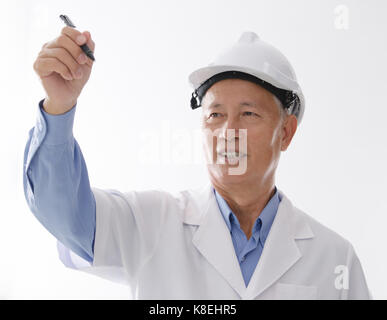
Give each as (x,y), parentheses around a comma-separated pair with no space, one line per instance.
(242,104)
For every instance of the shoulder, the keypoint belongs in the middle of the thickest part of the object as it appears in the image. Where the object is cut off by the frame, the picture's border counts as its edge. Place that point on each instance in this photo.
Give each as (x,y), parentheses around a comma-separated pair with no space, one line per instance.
(325,238)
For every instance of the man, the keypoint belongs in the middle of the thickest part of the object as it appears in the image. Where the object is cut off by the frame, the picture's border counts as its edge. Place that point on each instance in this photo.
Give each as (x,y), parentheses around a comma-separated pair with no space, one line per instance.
(238,237)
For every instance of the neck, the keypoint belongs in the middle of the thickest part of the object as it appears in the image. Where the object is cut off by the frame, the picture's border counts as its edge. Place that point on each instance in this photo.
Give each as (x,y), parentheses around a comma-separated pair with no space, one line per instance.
(246,201)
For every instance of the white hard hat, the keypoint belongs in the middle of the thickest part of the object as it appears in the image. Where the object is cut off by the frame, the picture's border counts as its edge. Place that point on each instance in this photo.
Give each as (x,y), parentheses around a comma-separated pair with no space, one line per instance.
(255,60)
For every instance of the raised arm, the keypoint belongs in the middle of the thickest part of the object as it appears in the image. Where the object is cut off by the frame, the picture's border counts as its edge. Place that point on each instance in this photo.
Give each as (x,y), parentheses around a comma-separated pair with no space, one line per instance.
(55,178)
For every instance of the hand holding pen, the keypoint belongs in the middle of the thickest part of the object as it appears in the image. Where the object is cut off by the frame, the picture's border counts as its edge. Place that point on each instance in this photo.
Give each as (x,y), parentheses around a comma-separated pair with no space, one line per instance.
(64,65)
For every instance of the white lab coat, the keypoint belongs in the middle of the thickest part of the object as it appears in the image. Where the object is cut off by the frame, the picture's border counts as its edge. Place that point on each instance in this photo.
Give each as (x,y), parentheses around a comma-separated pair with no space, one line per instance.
(177,246)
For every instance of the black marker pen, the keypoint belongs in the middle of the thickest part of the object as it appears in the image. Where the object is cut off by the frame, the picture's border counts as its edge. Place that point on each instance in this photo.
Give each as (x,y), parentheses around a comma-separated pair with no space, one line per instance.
(84,47)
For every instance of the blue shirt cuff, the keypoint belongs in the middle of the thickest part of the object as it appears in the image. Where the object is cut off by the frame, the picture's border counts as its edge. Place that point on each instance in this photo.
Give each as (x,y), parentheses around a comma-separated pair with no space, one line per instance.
(59,128)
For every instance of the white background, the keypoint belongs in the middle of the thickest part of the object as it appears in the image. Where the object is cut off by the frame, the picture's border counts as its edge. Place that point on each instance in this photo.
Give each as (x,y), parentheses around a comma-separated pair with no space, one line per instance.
(335,168)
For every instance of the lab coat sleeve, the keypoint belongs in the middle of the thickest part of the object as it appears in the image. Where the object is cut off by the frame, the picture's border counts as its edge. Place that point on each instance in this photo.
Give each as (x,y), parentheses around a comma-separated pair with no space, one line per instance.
(357,286)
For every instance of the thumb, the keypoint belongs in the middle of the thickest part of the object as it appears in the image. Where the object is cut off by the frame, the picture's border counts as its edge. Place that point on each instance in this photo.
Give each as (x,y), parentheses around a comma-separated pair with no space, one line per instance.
(90,43)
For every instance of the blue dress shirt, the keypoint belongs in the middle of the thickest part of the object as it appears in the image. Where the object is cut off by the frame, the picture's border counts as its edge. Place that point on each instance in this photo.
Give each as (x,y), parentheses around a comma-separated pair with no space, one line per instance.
(56,182)
(249,251)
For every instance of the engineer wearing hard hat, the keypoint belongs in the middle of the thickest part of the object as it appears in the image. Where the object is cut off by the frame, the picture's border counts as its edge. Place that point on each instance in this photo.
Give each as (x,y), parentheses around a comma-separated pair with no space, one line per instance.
(237,237)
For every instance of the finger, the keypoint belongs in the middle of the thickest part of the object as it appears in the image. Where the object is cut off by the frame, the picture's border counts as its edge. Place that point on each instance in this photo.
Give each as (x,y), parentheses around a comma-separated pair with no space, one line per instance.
(72,34)
(63,41)
(66,58)
(90,42)
(46,66)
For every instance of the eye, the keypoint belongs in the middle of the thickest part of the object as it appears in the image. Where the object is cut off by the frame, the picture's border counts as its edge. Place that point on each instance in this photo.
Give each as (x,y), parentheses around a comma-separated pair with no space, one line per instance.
(214,115)
(249,113)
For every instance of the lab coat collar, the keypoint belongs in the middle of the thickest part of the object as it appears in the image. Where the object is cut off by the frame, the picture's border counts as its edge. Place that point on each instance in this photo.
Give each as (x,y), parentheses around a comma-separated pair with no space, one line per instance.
(212,238)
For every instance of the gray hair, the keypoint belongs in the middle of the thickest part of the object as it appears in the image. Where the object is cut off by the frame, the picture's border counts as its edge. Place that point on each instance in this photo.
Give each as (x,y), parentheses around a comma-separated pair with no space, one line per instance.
(283,111)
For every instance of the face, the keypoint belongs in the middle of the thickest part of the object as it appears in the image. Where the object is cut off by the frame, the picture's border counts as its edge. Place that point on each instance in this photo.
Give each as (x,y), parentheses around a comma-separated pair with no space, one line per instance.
(239,104)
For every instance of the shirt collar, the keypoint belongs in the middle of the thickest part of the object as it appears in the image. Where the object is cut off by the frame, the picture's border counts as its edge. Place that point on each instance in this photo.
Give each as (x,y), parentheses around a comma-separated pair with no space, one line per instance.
(267,215)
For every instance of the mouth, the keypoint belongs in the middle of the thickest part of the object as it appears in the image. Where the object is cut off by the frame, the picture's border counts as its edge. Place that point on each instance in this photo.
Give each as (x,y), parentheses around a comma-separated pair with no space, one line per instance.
(232,156)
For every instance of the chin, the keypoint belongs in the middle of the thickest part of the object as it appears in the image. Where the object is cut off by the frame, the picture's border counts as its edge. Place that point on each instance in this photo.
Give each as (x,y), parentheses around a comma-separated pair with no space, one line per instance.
(221,174)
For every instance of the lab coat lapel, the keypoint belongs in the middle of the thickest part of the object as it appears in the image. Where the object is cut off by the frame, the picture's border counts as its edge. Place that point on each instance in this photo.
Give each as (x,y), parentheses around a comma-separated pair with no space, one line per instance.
(280,252)
(213,240)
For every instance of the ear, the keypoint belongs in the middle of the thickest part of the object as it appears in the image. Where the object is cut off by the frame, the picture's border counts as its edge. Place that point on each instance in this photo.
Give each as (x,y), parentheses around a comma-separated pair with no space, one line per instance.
(289,128)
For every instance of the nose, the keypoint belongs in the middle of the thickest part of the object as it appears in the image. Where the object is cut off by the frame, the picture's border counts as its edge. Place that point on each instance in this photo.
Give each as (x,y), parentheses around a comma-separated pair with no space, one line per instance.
(230,129)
